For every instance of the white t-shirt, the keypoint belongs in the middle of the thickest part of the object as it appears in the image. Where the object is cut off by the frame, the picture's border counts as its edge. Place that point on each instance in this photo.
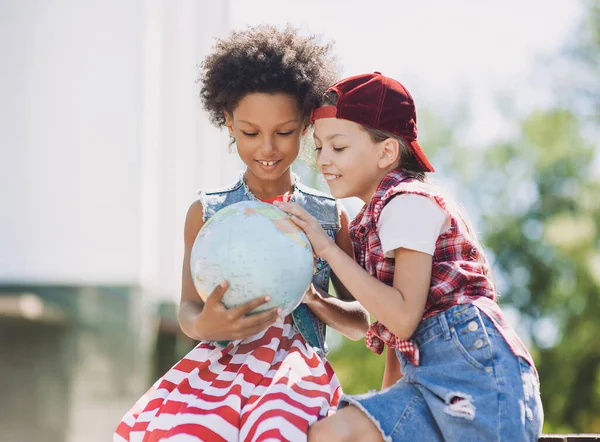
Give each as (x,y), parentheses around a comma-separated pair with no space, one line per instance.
(413,222)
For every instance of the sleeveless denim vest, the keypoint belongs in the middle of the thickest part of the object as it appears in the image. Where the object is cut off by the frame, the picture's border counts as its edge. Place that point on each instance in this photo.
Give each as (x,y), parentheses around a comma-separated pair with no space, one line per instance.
(320,205)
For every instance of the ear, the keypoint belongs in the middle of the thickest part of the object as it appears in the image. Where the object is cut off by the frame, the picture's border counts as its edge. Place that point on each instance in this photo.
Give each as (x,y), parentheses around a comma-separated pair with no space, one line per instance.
(389,152)
(229,122)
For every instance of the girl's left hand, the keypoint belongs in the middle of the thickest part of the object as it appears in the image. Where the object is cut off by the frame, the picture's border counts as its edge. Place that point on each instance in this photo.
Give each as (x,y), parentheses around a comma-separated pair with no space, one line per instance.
(320,241)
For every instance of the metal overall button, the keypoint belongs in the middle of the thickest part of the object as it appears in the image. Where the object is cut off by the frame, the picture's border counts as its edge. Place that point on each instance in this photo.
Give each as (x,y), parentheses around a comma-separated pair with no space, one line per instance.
(473,326)
(478,344)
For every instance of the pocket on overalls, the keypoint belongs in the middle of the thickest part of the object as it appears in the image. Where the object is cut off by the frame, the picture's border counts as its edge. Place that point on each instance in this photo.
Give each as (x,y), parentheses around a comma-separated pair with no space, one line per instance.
(473,343)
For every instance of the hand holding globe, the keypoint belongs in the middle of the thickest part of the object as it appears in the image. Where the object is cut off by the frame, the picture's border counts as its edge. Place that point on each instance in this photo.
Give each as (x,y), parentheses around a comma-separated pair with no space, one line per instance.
(217,323)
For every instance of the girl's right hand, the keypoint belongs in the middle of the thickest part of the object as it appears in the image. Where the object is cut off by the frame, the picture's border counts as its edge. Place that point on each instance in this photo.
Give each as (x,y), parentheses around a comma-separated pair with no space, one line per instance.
(217,323)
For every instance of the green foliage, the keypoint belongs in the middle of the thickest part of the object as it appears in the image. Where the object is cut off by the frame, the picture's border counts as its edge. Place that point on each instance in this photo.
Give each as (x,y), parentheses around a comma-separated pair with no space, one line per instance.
(358,368)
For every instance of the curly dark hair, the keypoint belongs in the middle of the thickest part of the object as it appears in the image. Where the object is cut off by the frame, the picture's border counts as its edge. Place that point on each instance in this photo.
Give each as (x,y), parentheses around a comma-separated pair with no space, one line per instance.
(265,59)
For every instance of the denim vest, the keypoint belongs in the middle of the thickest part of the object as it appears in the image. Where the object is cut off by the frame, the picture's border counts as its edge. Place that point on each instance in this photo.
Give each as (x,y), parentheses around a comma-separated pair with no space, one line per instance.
(320,205)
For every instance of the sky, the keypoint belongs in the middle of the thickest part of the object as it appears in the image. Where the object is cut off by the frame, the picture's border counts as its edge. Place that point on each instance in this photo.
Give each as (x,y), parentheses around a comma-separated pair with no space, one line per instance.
(444,52)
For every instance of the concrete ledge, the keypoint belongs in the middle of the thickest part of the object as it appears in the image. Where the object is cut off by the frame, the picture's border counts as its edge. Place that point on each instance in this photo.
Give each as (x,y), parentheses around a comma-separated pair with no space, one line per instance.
(569,437)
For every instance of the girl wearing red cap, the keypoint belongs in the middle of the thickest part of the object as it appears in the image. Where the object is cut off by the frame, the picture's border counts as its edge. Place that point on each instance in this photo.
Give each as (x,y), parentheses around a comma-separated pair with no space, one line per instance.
(262,376)
(421,272)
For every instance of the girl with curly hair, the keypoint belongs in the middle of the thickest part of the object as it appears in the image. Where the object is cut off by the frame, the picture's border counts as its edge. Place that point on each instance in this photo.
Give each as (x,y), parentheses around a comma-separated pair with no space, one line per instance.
(258,377)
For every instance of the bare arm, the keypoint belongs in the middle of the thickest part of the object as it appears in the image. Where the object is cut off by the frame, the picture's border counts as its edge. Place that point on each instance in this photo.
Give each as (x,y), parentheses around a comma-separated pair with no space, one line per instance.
(400,307)
(347,317)
(341,313)
(393,371)
(212,321)
(190,305)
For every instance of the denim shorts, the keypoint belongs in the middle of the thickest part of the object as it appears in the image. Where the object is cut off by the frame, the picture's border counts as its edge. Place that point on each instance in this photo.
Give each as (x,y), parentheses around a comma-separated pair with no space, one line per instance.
(469,386)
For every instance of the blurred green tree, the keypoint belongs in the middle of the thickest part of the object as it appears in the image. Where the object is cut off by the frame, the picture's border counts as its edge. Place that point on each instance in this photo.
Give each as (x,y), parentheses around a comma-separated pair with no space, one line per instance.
(541,223)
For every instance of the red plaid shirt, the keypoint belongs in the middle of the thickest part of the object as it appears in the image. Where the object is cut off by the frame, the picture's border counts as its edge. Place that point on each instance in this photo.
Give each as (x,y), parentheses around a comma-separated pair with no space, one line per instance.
(460,272)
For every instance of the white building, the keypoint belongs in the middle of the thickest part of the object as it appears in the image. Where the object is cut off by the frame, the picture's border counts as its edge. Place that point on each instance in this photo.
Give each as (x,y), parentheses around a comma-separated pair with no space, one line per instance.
(102,146)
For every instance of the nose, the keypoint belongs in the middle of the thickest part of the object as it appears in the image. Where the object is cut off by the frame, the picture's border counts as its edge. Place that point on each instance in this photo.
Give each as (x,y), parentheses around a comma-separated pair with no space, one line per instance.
(268,145)
(323,159)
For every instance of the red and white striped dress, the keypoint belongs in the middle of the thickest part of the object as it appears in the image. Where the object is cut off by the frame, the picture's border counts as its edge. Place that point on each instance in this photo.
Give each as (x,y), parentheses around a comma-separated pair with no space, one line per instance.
(269,387)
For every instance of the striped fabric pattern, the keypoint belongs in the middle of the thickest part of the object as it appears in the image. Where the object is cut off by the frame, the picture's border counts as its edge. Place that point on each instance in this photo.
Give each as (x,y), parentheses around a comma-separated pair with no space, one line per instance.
(271,386)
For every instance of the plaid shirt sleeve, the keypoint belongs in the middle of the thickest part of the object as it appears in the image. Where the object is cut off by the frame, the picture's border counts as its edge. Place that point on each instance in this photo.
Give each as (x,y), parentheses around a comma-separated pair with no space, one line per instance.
(379,336)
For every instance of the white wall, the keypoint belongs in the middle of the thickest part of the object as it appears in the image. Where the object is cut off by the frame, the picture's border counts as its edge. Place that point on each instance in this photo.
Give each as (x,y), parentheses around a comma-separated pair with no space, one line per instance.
(102,140)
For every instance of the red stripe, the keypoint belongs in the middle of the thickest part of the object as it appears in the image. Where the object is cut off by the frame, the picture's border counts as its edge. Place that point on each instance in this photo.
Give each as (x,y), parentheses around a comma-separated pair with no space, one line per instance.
(264,340)
(224,411)
(190,429)
(298,422)
(296,389)
(270,435)
(140,426)
(123,430)
(234,389)
(314,410)
(189,365)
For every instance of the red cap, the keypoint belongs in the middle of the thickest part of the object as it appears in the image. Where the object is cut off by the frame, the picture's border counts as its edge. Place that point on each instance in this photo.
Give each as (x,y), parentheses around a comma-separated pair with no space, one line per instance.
(378,102)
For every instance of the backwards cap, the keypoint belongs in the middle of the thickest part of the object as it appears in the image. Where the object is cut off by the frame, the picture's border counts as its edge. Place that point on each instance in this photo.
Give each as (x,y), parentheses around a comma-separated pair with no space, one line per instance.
(378,102)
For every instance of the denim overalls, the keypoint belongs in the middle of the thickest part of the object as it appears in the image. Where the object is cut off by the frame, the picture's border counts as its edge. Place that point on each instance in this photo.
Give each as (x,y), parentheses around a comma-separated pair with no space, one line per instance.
(320,205)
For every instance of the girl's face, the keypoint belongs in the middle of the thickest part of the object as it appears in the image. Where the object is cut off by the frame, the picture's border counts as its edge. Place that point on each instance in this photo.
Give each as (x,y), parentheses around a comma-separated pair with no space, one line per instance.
(268,129)
(351,162)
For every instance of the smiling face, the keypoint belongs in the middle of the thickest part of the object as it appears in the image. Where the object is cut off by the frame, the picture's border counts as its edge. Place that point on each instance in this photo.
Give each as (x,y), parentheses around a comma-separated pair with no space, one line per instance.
(268,129)
(351,162)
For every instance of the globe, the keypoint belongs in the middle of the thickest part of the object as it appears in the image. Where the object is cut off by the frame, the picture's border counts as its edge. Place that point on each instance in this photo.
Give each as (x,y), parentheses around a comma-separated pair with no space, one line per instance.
(258,250)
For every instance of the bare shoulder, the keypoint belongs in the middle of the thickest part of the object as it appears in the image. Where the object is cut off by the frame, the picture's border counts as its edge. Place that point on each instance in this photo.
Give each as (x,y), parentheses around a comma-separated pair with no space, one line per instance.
(194,220)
